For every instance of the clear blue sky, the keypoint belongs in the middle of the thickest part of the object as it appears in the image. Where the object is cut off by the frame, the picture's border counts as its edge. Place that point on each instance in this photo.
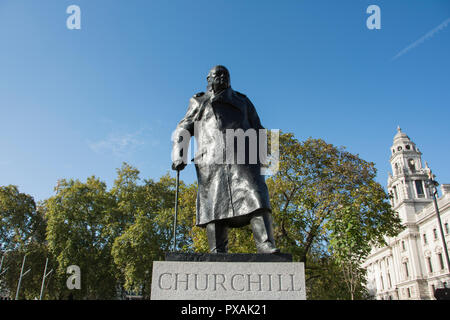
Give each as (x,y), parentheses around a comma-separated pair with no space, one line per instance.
(74,103)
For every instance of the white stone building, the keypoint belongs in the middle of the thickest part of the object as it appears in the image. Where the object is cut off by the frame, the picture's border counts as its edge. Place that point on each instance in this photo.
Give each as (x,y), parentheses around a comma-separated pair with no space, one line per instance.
(413,264)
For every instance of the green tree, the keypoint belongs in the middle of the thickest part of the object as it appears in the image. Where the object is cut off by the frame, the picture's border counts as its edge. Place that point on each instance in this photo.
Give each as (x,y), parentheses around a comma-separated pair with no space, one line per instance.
(22,232)
(350,244)
(134,252)
(327,282)
(144,232)
(20,222)
(185,219)
(322,192)
(143,225)
(78,234)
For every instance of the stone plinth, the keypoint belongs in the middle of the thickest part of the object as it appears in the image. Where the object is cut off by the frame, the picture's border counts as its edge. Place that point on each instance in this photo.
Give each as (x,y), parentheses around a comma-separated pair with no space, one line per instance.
(228,277)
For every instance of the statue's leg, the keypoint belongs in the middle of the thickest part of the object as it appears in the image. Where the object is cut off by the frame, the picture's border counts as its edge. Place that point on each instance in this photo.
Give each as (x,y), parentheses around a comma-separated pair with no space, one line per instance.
(217,237)
(261,224)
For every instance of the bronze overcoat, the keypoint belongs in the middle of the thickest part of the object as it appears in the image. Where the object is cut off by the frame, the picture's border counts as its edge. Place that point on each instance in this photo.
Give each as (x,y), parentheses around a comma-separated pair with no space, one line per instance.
(225,190)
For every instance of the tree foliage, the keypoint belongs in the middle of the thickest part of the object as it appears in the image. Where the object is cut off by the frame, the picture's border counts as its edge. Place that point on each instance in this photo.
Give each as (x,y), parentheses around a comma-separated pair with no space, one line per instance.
(22,232)
(325,200)
(20,221)
(78,233)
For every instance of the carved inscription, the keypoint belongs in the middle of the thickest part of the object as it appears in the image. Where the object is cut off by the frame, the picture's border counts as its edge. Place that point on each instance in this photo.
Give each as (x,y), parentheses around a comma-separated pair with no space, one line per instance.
(225,282)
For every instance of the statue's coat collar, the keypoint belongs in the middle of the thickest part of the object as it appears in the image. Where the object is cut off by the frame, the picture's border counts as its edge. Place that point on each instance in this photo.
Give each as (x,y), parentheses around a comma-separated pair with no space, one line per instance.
(228,96)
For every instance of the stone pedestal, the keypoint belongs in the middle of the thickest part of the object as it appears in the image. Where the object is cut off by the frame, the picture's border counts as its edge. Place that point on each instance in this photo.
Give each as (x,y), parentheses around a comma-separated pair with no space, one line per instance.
(228,277)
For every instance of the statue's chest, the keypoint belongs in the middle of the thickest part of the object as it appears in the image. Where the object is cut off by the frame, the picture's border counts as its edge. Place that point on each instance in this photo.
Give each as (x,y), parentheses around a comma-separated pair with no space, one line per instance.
(222,116)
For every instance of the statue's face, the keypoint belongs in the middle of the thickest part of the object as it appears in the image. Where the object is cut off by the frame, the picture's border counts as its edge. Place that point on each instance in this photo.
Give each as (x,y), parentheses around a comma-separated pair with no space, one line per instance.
(218,79)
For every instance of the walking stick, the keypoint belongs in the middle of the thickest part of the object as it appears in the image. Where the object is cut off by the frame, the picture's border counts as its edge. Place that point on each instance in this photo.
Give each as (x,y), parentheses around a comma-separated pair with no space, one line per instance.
(176,211)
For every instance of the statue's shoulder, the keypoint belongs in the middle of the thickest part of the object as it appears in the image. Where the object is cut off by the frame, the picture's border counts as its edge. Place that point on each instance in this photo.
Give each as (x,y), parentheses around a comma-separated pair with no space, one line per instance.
(197,99)
(240,94)
(199,94)
(242,97)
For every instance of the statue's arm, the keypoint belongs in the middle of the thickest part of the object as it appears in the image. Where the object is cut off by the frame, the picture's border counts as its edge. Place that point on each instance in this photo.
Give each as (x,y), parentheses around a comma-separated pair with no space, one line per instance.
(187,123)
(182,135)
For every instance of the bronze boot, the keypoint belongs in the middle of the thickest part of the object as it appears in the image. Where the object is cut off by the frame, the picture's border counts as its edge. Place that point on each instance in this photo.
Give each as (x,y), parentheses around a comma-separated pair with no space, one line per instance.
(261,225)
(217,237)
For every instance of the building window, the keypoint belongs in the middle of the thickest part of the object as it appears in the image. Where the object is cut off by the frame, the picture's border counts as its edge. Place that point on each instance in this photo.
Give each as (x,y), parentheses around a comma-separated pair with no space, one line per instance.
(409,293)
(430,265)
(441,261)
(433,289)
(411,165)
(425,238)
(382,282)
(389,280)
(405,266)
(397,171)
(403,246)
(419,188)
(435,234)
(446,228)
(395,193)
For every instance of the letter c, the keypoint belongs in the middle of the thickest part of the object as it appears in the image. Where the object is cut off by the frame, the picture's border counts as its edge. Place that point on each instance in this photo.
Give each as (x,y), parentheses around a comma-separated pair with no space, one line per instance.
(232,282)
(159,281)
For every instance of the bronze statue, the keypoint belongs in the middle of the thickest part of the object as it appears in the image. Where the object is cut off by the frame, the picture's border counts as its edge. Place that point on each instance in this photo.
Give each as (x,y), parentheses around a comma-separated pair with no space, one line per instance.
(230,194)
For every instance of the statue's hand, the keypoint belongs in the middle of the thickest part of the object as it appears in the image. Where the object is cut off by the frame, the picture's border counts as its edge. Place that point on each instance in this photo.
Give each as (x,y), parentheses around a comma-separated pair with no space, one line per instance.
(178,165)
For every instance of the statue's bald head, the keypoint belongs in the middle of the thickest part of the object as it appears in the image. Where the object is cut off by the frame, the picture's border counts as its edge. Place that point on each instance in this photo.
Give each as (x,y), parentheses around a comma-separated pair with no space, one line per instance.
(218,78)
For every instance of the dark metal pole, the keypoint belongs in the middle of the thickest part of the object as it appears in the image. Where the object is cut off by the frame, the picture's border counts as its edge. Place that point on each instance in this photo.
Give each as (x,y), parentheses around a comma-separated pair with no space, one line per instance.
(433,183)
(440,227)
(176,212)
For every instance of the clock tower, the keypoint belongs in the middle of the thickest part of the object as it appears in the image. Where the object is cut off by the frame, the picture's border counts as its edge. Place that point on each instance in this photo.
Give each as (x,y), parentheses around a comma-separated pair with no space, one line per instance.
(406,184)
